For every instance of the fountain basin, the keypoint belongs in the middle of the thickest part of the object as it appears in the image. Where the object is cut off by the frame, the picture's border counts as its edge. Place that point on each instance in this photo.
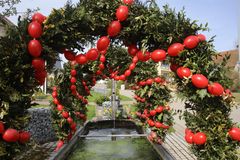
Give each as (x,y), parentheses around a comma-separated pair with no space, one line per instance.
(100,141)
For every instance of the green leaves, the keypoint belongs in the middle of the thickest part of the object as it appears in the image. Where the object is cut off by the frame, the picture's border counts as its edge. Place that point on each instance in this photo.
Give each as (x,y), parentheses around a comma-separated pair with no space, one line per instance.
(4,107)
(202,93)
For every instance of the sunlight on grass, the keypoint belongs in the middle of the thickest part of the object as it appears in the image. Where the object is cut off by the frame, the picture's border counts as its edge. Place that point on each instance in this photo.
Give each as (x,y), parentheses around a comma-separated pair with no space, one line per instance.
(91,112)
(125,98)
(41,106)
(96,95)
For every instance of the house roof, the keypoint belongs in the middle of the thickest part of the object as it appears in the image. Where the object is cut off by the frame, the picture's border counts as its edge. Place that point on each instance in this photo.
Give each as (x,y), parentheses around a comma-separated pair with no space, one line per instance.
(5,20)
(234,57)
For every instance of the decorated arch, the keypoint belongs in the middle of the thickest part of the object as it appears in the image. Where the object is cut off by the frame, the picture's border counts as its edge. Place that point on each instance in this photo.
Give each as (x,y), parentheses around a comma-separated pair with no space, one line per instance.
(120,40)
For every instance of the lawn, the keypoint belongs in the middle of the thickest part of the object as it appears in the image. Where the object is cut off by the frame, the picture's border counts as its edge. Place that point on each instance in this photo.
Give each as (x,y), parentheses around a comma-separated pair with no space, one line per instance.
(41,106)
(96,95)
(42,96)
(125,98)
(91,111)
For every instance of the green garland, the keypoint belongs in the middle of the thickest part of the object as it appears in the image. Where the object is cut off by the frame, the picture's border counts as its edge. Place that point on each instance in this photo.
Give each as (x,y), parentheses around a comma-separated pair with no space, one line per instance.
(76,26)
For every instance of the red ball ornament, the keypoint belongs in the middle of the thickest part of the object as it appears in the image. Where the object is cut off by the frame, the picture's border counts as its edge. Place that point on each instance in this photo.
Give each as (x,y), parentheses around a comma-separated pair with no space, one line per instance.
(54,88)
(158,55)
(59,107)
(151,123)
(35,29)
(132,66)
(38,17)
(69,55)
(103,43)
(40,81)
(127,73)
(159,109)
(157,79)
(38,64)
(135,59)
(73,63)
(2,128)
(102,58)
(187,131)
(54,94)
(24,137)
(199,81)
(81,59)
(158,124)
(142,83)
(55,101)
(183,72)
(59,145)
(10,135)
(117,78)
(114,28)
(103,52)
(73,126)
(153,112)
(234,133)
(40,75)
(191,42)
(122,13)
(189,137)
(73,72)
(129,2)
(201,37)
(199,138)
(101,66)
(215,89)
(69,120)
(143,56)
(35,48)
(99,72)
(174,67)
(65,114)
(132,50)
(73,80)
(149,81)
(122,77)
(92,54)
(175,49)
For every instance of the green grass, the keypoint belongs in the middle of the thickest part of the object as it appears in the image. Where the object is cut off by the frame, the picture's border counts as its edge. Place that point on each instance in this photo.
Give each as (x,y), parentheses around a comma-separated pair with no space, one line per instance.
(125,98)
(96,95)
(91,111)
(41,106)
(43,97)
(237,97)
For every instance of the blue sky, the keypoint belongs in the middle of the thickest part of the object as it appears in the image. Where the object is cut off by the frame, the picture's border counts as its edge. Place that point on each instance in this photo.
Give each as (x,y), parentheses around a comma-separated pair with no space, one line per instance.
(221,15)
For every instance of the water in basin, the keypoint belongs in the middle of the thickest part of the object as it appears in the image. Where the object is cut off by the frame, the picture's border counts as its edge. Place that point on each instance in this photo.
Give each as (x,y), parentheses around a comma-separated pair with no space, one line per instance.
(121,148)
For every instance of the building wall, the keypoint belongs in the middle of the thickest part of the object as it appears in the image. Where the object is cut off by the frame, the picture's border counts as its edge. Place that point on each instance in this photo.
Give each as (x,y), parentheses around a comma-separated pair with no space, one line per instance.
(232,62)
(3,23)
(2,31)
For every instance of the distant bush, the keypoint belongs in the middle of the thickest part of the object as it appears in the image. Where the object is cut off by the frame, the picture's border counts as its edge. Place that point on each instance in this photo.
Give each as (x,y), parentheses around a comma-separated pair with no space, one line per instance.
(101,99)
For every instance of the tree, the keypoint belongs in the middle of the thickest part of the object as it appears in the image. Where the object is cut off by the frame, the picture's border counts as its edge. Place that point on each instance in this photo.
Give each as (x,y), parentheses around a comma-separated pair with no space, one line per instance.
(8,7)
